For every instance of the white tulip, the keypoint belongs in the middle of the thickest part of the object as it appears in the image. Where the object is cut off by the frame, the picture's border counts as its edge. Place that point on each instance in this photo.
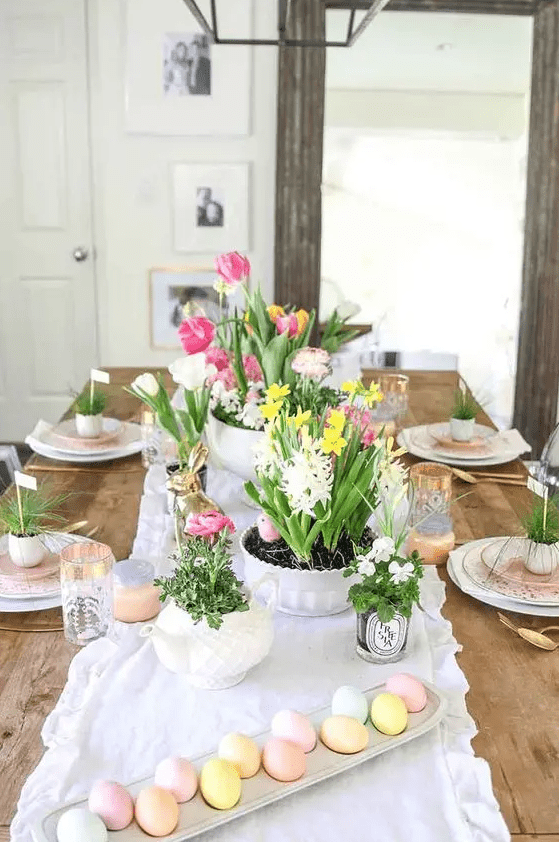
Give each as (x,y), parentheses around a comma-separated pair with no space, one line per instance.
(347,310)
(147,383)
(189,371)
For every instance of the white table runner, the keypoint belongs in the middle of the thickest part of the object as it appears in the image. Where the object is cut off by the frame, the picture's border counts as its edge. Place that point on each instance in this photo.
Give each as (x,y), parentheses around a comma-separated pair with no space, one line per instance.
(121,712)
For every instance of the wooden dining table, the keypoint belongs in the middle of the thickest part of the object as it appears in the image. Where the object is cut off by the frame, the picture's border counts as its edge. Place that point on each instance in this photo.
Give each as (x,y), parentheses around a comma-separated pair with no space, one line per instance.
(514,687)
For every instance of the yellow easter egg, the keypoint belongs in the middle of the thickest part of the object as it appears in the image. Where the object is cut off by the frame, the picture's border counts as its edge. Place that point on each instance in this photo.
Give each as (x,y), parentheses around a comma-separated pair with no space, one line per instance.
(389,714)
(220,784)
(242,752)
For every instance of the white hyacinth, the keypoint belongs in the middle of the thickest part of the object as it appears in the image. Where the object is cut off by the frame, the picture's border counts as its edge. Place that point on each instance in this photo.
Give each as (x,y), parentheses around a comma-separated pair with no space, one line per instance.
(265,458)
(307,479)
(400,572)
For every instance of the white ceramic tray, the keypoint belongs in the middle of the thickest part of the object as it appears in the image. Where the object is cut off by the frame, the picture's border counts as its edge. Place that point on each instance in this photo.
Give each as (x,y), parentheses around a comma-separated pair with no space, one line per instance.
(197,817)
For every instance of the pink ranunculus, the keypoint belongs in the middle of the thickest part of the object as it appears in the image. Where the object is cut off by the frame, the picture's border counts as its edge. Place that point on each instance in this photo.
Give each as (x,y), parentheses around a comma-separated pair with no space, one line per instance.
(217,356)
(312,363)
(196,334)
(252,368)
(287,323)
(208,524)
(232,268)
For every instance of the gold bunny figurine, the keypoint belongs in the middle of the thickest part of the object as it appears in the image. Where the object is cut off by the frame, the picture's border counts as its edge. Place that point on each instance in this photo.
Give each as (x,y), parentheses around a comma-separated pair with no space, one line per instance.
(187,488)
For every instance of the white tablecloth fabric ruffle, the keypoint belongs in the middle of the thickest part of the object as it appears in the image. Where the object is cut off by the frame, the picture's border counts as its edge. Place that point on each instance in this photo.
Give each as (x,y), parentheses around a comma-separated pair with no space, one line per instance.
(121,712)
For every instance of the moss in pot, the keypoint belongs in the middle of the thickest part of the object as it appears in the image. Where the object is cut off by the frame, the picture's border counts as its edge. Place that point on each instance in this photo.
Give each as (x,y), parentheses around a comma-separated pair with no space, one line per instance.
(89,407)
(25,527)
(320,480)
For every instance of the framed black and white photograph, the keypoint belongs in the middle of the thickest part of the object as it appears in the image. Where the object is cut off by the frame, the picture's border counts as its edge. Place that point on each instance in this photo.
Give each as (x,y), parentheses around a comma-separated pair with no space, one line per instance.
(211,207)
(176,81)
(187,65)
(171,290)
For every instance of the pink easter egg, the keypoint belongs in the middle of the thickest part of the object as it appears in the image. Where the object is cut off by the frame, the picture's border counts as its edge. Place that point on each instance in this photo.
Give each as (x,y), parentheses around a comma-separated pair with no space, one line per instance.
(112,803)
(178,776)
(409,689)
(266,529)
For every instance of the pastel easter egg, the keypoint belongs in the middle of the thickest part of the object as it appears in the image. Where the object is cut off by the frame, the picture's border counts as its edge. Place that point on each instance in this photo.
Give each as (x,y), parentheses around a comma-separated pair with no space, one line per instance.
(179,776)
(112,803)
(349,701)
(242,752)
(293,726)
(266,529)
(220,783)
(389,714)
(283,760)
(79,823)
(344,735)
(156,811)
(409,689)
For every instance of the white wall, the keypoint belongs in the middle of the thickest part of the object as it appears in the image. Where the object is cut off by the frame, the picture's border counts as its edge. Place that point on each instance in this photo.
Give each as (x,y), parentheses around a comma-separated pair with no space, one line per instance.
(132,188)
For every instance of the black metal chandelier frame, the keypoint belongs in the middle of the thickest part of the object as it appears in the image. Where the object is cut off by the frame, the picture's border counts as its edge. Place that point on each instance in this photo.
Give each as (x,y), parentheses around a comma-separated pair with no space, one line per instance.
(353,30)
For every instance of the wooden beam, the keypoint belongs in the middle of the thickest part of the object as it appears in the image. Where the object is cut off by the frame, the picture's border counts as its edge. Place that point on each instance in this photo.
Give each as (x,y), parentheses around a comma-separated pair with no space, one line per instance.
(301,87)
(537,375)
(482,7)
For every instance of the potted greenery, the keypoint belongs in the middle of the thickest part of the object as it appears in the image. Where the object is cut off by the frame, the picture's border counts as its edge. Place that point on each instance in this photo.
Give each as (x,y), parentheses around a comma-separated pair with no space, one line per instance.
(26,525)
(89,407)
(320,479)
(212,629)
(463,417)
(539,549)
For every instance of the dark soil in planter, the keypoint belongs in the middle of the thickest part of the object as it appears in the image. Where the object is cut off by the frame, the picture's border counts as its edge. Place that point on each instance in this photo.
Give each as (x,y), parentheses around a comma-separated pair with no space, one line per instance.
(280,554)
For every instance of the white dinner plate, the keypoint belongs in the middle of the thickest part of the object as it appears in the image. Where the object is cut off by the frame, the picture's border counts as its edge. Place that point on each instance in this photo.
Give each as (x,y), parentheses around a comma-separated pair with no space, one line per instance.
(54,542)
(132,445)
(407,439)
(462,582)
(22,606)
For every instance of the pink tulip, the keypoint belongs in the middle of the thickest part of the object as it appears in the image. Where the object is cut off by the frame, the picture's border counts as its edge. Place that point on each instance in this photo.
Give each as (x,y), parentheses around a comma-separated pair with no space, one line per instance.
(196,334)
(208,524)
(232,268)
(288,323)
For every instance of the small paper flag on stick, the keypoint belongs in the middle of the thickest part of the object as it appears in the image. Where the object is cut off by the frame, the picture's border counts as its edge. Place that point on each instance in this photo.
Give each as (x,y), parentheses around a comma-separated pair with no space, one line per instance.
(25,481)
(100,376)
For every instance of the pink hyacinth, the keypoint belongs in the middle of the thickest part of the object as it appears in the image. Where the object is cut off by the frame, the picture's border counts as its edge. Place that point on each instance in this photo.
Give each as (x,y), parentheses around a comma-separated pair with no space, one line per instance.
(226,376)
(252,368)
(232,268)
(217,356)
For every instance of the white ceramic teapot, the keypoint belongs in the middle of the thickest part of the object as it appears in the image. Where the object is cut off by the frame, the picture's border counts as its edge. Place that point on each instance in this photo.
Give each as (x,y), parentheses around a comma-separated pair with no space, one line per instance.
(214,658)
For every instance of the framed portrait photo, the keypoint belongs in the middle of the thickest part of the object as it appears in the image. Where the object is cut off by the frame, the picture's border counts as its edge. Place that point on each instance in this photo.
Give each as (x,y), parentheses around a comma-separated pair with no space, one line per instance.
(211,207)
(177,82)
(171,290)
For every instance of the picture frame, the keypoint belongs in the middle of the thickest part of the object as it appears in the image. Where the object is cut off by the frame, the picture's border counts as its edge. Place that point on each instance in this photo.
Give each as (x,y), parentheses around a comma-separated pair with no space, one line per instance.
(176,81)
(170,288)
(210,207)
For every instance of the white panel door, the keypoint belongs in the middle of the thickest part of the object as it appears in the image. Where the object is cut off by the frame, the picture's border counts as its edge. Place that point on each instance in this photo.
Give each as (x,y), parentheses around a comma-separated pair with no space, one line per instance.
(47,296)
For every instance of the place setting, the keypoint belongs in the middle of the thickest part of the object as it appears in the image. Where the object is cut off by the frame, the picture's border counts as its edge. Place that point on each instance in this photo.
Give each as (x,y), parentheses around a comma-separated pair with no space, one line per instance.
(88,437)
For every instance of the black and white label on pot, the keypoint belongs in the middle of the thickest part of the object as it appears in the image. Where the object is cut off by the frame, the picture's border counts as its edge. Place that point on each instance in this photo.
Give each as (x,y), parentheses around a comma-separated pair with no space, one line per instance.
(385,638)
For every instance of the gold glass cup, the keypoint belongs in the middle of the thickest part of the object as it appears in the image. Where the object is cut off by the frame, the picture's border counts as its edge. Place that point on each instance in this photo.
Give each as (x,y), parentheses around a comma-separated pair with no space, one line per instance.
(86,582)
(431,533)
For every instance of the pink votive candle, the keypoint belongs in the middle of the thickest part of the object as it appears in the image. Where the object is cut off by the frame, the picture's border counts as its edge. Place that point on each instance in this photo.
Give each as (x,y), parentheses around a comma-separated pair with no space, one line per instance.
(432,548)
(136,598)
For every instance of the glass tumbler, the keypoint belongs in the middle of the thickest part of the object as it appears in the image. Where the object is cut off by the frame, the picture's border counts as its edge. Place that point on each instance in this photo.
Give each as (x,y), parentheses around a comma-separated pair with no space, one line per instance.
(391,410)
(431,532)
(86,579)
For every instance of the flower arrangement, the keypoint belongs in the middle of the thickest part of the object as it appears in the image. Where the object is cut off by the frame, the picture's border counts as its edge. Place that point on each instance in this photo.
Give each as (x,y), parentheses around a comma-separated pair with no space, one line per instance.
(37,513)
(336,332)
(203,583)
(320,476)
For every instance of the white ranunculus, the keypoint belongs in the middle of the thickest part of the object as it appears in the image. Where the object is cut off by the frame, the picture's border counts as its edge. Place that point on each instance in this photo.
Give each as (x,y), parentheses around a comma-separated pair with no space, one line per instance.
(147,383)
(347,310)
(190,371)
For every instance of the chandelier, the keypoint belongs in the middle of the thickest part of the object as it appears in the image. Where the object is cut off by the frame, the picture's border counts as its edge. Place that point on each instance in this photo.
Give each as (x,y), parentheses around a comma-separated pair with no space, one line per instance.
(359,15)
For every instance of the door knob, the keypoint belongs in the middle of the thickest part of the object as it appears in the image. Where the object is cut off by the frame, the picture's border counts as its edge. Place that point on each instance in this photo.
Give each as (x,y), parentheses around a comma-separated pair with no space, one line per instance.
(80,253)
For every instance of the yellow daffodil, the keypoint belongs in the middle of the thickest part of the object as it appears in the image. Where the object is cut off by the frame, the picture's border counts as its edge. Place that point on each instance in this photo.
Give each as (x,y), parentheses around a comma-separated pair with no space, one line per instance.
(275,392)
(301,418)
(335,446)
(274,310)
(330,434)
(336,419)
(270,410)
(372,395)
(389,445)
(351,386)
